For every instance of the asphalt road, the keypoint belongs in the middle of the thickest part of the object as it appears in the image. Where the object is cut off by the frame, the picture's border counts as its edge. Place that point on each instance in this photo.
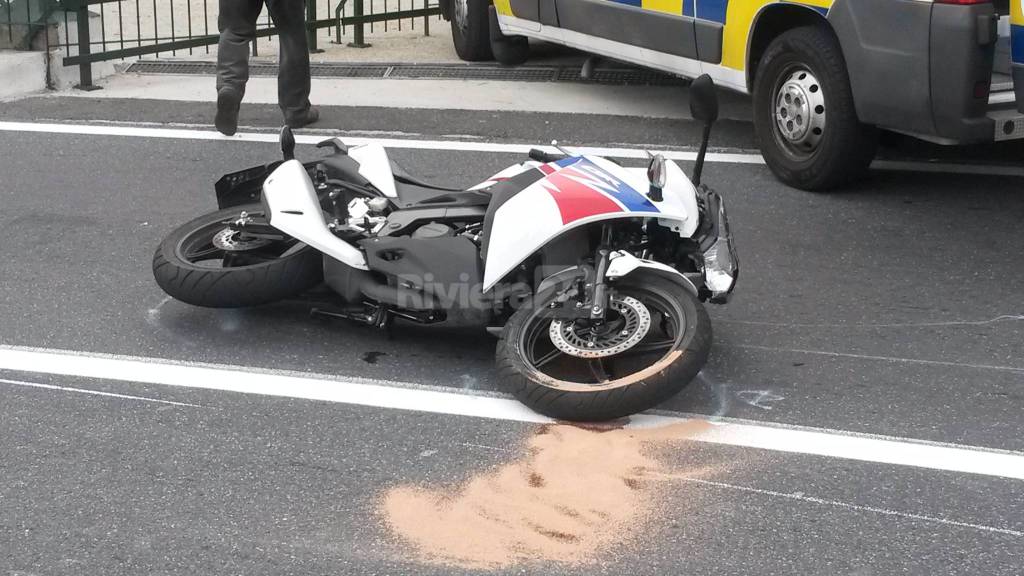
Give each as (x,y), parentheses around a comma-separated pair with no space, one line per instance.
(893,308)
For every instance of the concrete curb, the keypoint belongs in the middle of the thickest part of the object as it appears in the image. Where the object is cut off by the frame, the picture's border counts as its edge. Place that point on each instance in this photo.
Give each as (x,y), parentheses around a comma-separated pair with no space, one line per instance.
(22,72)
(32,72)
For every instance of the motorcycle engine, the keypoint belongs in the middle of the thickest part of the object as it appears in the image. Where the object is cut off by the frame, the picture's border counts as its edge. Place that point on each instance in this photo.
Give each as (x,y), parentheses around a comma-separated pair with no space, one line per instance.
(432,230)
(366,215)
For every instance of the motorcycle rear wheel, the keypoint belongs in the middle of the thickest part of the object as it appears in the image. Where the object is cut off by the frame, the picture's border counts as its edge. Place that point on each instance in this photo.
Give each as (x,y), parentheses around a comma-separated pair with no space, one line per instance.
(193,266)
(566,387)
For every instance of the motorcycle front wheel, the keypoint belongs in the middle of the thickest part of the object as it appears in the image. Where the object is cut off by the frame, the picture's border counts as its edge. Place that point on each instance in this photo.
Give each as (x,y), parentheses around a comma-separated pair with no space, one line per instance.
(654,341)
(206,263)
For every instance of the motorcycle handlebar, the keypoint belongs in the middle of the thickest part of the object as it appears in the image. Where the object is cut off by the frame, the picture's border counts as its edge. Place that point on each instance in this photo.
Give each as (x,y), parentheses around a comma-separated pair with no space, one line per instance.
(542,156)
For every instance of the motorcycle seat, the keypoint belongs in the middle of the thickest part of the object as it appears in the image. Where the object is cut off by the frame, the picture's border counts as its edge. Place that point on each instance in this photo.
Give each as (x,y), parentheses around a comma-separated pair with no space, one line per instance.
(402,175)
(410,189)
(410,195)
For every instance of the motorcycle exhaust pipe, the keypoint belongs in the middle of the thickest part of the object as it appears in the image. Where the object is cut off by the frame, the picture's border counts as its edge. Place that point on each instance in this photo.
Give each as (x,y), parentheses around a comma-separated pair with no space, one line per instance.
(354,286)
(397,296)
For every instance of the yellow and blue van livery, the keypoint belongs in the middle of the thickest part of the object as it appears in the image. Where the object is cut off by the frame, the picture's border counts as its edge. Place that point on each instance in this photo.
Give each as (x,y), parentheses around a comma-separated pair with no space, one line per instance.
(825,75)
(688,37)
(1017,49)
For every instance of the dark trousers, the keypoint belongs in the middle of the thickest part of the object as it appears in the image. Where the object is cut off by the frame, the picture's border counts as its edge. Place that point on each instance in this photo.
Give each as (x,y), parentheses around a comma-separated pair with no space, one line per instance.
(237,23)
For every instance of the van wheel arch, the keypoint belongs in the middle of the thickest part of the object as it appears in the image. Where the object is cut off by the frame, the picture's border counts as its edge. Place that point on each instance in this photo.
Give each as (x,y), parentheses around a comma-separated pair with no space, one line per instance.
(772,21)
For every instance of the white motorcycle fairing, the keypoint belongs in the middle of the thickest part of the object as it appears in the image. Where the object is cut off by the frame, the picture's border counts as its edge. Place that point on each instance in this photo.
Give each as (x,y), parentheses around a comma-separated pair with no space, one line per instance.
(573,192)
(375,166)
(293,208)
(576,191)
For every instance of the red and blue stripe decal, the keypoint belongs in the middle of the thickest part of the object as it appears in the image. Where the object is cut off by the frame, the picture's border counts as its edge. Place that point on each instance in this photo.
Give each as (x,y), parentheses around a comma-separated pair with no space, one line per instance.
(582,189)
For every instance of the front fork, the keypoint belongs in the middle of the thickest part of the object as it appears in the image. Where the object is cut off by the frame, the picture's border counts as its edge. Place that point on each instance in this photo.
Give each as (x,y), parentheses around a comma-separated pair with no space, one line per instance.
(590,290)
(599,306)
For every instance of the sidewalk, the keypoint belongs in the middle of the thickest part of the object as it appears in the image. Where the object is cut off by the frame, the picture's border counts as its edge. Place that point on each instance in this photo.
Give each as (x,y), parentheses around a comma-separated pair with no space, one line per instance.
(393,42)
(556,97)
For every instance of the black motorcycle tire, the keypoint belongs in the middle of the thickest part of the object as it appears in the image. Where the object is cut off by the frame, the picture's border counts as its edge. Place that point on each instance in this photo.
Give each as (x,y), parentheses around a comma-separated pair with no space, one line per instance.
(253,284)
(629,395)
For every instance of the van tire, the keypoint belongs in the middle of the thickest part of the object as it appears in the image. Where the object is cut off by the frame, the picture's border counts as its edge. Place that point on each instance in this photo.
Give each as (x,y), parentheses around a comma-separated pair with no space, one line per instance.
(830,147)
(471,34)
(507,50)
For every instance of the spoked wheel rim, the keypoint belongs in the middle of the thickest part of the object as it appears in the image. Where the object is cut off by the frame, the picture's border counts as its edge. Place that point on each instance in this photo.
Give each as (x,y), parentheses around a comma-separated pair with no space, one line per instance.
(216,245)
(617,358)
(798,111)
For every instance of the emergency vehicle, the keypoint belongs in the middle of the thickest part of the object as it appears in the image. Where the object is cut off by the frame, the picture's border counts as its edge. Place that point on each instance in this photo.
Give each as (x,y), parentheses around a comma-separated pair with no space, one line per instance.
(824,75)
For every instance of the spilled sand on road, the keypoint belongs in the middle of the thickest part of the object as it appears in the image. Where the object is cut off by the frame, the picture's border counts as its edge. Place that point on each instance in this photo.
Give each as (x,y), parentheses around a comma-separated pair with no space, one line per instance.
(577,493)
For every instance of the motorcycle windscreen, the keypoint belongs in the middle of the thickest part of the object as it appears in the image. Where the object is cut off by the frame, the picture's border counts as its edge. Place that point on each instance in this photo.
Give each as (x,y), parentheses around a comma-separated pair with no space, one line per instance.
(574,192)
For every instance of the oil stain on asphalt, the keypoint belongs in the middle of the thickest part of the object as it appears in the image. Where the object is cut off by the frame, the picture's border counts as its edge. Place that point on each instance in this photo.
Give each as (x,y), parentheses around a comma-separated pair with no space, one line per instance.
(576,493)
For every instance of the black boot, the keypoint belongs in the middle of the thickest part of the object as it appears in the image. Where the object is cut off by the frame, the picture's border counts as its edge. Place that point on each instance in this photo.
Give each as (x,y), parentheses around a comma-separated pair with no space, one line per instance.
(309,116)
(228,101)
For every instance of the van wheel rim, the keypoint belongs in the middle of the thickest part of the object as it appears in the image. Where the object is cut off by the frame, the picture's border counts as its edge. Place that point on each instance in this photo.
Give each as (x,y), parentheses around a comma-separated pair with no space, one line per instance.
(799,109)
(461,14)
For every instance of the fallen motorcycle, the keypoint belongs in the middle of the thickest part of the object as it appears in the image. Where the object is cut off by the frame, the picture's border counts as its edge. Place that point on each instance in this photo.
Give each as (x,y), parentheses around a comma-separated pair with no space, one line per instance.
(592,275)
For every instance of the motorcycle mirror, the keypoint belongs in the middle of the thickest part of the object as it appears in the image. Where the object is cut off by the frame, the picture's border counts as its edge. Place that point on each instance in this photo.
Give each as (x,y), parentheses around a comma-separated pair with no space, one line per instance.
(704,109)
(657,176)
(704,100)
(336,143)
(287,143)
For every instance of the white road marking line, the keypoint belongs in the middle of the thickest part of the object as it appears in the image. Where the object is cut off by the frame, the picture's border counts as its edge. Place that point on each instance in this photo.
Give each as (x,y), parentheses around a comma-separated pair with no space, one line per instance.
(359,391)
(396,395)
(842,326)
(847,505)
(398,143)
(896,359)
(947,168)
(476,146)
(93,392)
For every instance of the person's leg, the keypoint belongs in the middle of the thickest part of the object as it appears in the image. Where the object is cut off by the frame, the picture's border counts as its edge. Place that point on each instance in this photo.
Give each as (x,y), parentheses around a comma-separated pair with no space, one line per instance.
(293,74)
(237,24)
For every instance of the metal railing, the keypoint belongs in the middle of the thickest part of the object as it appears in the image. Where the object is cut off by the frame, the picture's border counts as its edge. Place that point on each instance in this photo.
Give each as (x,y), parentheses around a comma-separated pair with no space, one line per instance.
(131,28)
(21,21)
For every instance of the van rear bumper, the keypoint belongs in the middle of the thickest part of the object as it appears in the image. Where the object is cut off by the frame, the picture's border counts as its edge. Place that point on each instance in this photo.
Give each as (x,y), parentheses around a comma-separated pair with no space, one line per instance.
(1018,85)
(925,69)
(1008,124)
(998,124)
(961,61)
(1006,106)
(963,111)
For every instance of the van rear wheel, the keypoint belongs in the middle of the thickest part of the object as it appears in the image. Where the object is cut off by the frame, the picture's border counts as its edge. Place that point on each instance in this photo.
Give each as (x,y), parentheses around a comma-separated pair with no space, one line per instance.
(804,114)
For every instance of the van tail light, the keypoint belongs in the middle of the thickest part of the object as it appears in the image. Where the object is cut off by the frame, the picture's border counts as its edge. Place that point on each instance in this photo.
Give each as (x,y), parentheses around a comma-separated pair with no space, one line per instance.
(981,89)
